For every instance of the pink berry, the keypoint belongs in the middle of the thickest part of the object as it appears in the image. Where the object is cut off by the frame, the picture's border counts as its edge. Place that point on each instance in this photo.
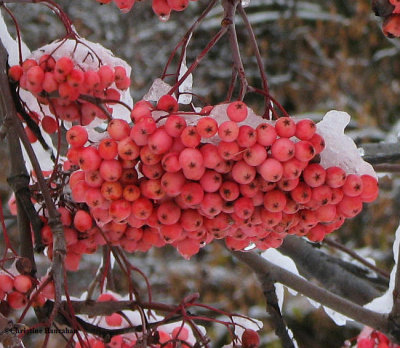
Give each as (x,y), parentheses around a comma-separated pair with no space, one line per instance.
(207,127)
(228,131)
(175,125)
(82,221)
(370,188)
(353,186)
(266,134)
(108,149)
(318,143)
(167,102)
(314,175)
(305,129)
(255,155)
(304,151)
(274,201)
(247,136)
(271,170)
(168,213)
(118,129)
(89,158)
(16,300)
(192,193)
(237,111)
(190,137)
(301,194)
(283,149)
(350,206)
(242,173)
(335,177)
(159,142)
(77,136)
(285,127)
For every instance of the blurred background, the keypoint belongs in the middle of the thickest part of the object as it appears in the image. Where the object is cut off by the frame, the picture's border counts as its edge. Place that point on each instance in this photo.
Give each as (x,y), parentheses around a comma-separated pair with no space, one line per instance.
(319,55)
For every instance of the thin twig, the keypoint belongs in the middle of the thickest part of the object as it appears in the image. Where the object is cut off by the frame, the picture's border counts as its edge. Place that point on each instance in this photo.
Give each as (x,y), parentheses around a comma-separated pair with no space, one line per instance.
(357,257)
(229,20)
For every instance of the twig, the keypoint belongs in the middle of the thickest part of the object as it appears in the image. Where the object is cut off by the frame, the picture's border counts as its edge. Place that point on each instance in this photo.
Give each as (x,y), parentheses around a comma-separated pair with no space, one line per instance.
(229,20)
(184,42)
(199,58)
(257,54)
(357,257)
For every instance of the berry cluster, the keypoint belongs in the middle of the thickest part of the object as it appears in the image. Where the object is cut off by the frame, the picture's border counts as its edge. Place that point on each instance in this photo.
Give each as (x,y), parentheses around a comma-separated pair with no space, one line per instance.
(64,86)
(374,339)
(187,184)
(16,290)
(162,8)
(390,11)
(165,336)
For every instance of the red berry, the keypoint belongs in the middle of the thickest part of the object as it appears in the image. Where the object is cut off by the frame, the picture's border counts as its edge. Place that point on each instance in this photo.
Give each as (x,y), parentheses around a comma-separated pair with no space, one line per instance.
(237,111)
(250,339)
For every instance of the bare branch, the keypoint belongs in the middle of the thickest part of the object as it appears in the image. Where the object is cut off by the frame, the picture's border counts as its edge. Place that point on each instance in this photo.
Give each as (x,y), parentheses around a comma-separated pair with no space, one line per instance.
(356,312)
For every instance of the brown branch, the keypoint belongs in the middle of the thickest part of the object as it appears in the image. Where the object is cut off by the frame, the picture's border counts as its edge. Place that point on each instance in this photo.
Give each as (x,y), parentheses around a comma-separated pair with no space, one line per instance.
(381,152)
(273,309)
(395,312)
(15,125)
(356,312)
(342,278)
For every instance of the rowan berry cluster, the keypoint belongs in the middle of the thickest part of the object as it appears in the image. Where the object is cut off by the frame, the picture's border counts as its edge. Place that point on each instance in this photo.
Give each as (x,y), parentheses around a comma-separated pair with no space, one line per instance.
(17,288)
(162,8)
(62,84)
(186,184)
(390,10)
(164,336)
(375,339)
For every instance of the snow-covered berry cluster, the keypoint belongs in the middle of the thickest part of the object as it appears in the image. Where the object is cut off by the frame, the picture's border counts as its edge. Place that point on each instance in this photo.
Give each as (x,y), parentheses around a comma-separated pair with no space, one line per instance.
(165,180)
(71,92)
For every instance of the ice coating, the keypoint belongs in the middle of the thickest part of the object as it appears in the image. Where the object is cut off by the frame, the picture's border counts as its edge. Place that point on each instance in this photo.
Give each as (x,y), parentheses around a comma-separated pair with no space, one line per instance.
(340,149)
(186,86)
(157,90)
(384,303)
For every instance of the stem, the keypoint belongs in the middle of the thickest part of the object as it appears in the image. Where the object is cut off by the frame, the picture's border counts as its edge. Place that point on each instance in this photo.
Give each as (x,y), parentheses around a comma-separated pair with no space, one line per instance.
(199,58)
(357,257)
(260,63)
(229,20)
(184,42)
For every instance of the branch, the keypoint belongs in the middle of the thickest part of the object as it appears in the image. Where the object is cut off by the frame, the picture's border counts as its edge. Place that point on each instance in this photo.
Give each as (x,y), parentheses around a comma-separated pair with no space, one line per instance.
(381,152)
(342,278)
(365,316)
(273,309)
(12,121)
(395,312)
